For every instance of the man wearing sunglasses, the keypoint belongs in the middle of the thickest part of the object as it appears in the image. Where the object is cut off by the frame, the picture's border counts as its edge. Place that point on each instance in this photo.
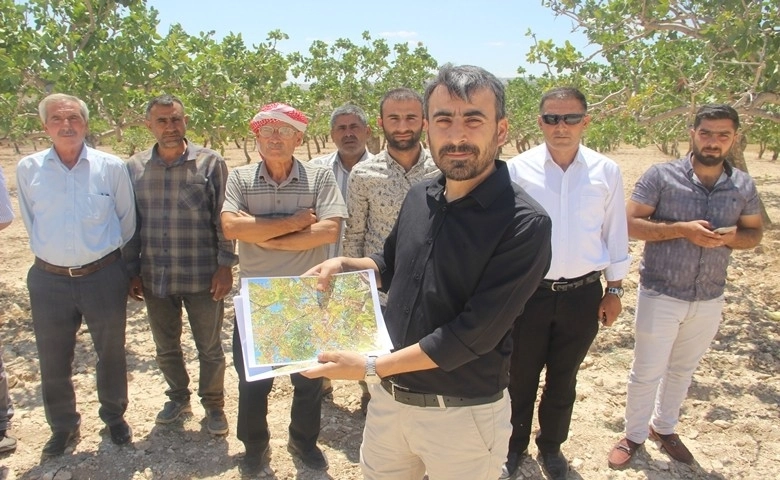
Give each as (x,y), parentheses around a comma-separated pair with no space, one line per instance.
(582,192)
(284,214)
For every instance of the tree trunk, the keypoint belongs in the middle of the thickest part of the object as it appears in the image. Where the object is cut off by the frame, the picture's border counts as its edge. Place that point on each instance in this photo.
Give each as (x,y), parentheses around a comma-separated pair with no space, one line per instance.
(737,159)
(246,151)
(308,147)
(316,144)
(373,144)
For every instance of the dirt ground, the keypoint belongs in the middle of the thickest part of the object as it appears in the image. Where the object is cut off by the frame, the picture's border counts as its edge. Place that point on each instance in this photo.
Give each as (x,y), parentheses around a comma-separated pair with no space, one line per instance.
(730,421)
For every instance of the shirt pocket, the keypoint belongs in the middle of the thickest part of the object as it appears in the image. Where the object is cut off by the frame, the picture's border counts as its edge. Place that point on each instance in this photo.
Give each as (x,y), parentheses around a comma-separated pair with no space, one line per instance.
(592,206)
(193,196)
(95,207)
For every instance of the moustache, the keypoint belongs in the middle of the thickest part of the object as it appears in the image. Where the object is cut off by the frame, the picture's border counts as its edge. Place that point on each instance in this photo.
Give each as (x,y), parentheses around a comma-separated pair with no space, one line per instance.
(463,148)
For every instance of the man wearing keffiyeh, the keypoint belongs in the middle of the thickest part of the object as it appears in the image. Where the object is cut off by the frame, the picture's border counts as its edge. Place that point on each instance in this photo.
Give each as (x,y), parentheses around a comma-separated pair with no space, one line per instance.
(284,214)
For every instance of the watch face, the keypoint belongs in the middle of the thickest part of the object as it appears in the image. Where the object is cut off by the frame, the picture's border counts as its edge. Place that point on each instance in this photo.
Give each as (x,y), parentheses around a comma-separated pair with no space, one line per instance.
(615,291)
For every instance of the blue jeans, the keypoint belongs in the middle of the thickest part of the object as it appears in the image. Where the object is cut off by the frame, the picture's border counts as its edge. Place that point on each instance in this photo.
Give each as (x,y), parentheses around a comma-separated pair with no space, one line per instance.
(59,304)
(205,316)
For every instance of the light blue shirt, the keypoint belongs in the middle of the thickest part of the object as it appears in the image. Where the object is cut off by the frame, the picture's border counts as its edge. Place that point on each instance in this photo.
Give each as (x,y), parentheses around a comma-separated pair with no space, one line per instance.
(6,211)
(76,216)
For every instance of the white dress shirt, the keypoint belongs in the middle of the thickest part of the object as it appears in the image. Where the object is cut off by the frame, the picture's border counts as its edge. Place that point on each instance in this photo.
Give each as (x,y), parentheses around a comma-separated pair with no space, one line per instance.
(587,207)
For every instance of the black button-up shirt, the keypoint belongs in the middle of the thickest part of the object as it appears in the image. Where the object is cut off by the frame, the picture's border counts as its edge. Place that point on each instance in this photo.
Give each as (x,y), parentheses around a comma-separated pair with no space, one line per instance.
(457,275)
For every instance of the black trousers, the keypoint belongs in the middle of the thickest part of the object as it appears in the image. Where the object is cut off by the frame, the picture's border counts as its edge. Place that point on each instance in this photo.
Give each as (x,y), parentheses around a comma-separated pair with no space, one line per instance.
(252,425)
(555,331)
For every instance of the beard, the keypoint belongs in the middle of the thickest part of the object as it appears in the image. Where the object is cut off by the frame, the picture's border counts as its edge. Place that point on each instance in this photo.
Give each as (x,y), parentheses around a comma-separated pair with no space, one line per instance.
(468,169)
(709,158)
(403,145)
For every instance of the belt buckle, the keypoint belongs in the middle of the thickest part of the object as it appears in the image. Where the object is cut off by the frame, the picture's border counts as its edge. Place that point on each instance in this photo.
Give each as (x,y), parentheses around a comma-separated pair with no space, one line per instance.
(73,275)
(554,286)
(394,387)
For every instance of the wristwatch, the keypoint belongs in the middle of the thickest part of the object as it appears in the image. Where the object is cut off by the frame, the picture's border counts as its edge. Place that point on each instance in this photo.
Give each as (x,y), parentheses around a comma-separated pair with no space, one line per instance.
(371,376)
(615,291)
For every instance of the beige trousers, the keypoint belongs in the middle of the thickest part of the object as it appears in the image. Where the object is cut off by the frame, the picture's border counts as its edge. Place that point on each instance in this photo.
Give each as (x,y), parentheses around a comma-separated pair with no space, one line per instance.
(402,442)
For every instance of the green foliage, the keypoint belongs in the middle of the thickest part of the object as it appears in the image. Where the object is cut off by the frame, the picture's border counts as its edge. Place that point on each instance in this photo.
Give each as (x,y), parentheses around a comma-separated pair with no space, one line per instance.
(291,320)
(134,140)
(664,59)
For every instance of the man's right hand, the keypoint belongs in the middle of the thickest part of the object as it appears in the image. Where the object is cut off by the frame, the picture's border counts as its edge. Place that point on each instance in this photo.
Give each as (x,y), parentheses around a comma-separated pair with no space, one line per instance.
(136,289)
(698,232)
(324,271)
(303,218)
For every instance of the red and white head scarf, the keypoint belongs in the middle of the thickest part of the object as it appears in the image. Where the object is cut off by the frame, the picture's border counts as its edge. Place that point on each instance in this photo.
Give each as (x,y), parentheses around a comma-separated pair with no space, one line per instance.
(279,112)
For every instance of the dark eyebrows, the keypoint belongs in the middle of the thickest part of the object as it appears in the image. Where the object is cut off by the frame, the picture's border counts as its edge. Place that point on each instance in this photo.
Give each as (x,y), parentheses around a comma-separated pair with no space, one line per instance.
(719,132)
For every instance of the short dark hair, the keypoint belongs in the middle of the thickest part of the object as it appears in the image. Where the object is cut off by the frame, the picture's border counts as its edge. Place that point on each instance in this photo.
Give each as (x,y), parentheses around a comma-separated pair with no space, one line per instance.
(165,99)
(399,95)
(716,111)
(463,80)
(349,109)
(563,93)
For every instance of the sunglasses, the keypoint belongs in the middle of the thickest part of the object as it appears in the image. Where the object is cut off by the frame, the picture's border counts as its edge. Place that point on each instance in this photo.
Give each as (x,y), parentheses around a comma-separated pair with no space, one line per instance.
(568,118)
(267,131)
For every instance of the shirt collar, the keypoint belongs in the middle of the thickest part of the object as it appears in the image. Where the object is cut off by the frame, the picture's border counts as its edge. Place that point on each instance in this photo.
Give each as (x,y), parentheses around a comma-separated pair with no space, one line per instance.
(295,173)
(53,156)
(392,161)
(187,154)
(337,159)
(688,160)
(578,158)
(485,193)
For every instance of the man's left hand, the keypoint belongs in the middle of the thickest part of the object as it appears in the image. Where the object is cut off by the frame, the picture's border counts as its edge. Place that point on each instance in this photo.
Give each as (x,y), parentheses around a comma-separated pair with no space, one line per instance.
(221,283)
(609,309)
(339,365)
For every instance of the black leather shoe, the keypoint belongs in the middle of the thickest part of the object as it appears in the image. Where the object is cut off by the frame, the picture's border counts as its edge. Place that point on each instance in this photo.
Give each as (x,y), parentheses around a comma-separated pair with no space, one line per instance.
(121,433)
(513,460)
(555,464)
(59,441)
(312,458)
(255,458)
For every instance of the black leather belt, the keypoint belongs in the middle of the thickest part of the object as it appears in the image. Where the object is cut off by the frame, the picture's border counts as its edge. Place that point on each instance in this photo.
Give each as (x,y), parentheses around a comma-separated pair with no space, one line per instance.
(82,270)
(407,397)
(566,284)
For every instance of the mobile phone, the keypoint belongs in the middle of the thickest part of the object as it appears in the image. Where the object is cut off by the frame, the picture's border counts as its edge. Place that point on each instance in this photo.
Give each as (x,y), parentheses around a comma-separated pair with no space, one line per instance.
(723,230)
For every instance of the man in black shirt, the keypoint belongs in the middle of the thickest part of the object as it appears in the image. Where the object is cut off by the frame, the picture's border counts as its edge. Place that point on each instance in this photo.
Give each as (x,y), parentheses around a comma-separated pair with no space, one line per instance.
(466,252)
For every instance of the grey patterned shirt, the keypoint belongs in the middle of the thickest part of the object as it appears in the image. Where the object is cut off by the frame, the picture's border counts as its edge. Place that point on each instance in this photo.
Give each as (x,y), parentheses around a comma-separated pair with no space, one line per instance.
(677,267)
(375,192)
(179,242)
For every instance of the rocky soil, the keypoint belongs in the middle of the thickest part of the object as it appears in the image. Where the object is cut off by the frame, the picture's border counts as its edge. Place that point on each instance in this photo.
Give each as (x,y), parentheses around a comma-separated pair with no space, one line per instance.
(730,421)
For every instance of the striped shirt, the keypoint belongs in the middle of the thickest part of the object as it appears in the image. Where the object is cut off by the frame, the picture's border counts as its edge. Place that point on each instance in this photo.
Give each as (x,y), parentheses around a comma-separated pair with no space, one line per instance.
(677,267)
(179,242)
(251,189)
(333,161)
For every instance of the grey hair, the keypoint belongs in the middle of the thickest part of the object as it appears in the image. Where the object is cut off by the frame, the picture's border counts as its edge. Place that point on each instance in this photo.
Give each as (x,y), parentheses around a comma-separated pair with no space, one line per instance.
(62,97)
(349,109)
(462,81)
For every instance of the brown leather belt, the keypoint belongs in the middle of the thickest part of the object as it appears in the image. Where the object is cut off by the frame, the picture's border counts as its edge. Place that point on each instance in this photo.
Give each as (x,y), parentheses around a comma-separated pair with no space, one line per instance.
(81,270)
(566,284)
(404,395)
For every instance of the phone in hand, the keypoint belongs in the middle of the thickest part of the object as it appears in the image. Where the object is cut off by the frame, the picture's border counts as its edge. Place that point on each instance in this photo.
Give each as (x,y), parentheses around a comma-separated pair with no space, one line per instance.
(723,230)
